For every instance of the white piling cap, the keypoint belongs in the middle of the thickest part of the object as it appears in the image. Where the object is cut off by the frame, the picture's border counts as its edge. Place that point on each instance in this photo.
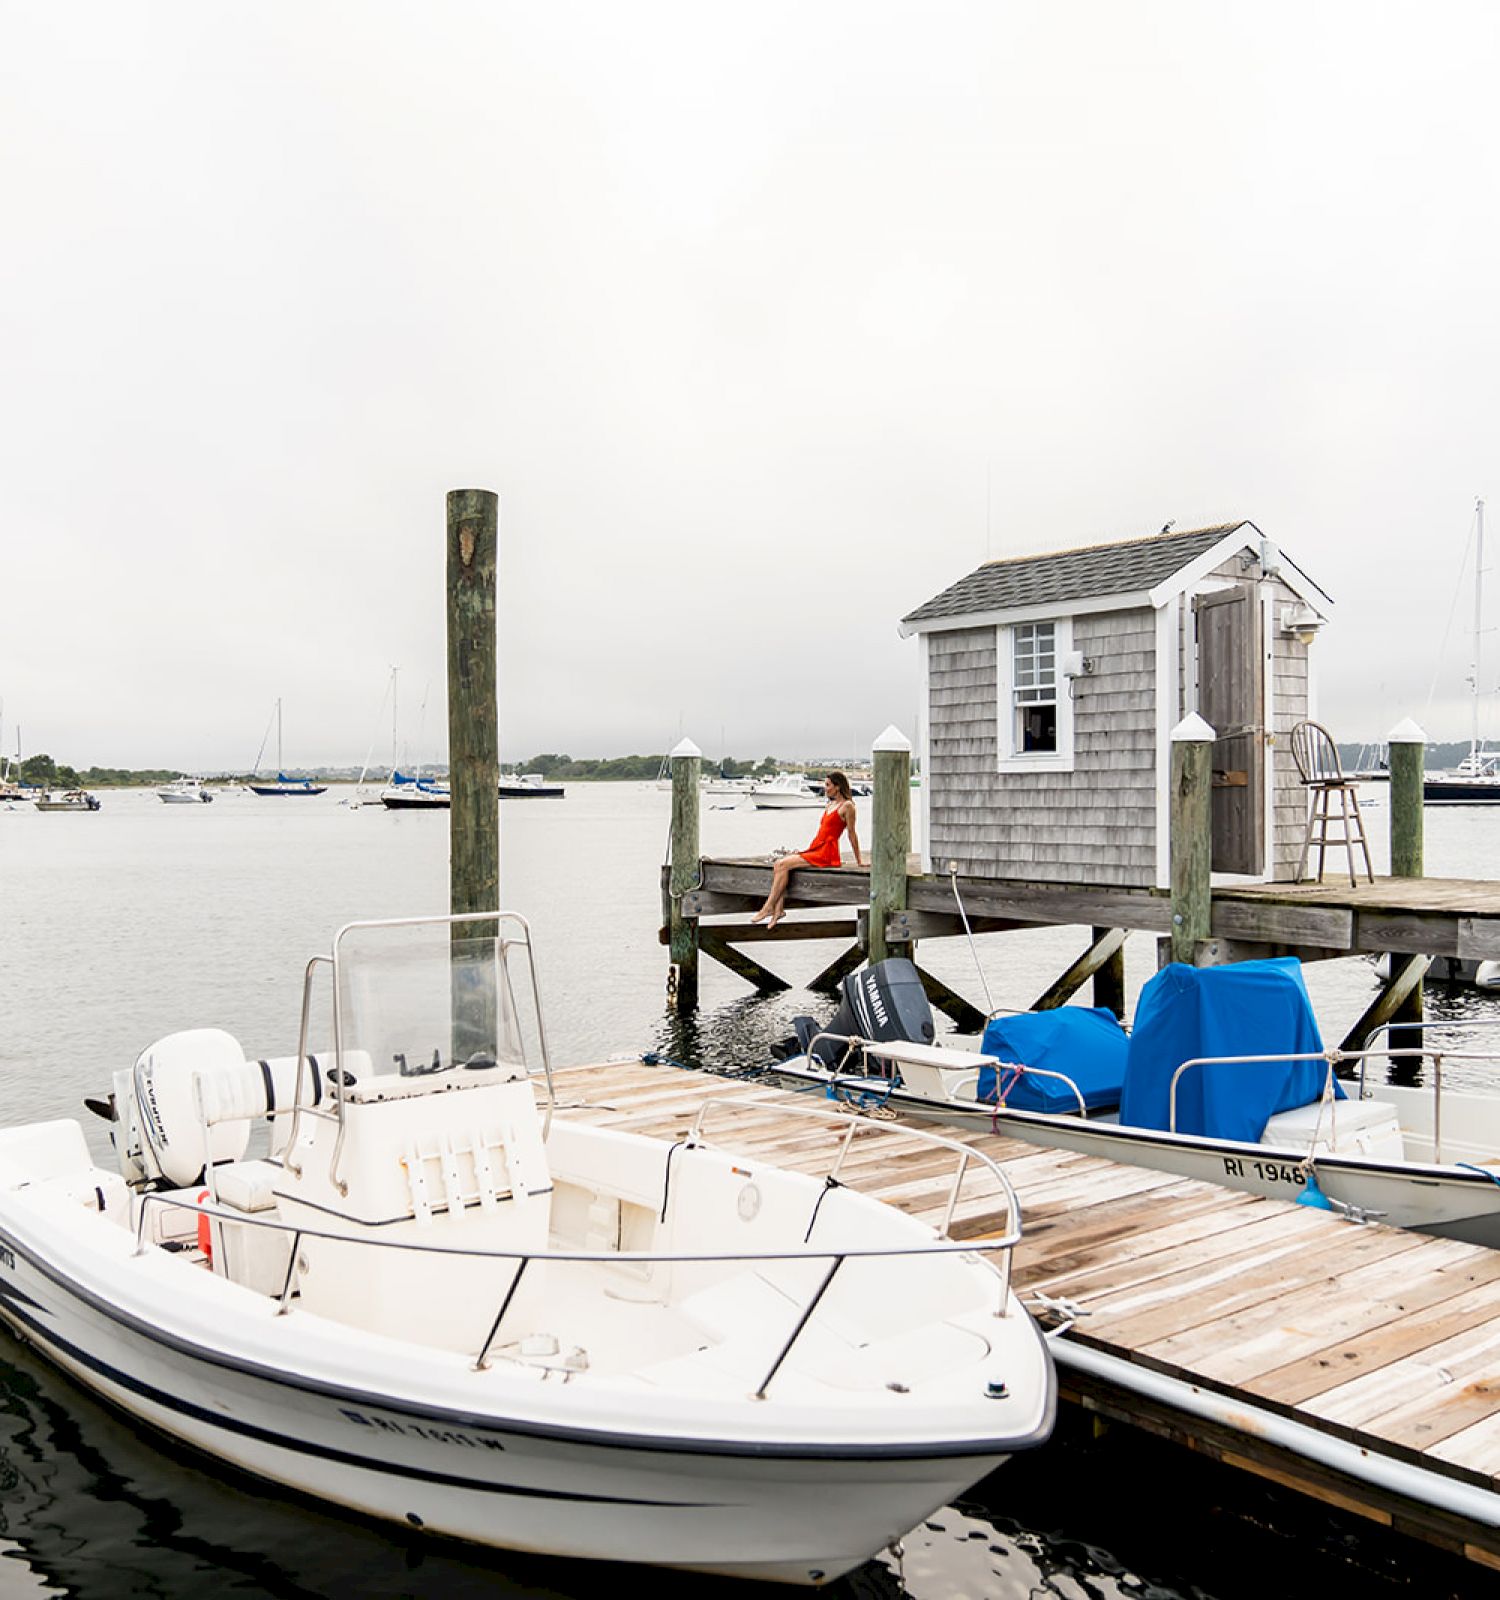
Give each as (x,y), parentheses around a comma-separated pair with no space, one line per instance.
(893,739)
(686,748)
(1406,732)
(1193,730)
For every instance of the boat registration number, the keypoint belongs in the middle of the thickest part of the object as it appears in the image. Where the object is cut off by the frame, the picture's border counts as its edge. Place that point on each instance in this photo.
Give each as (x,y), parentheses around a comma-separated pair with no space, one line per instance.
(1267,1171)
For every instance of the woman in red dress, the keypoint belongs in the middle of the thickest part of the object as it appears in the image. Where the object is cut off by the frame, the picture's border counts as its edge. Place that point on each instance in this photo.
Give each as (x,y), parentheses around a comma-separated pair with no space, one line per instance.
(822,852)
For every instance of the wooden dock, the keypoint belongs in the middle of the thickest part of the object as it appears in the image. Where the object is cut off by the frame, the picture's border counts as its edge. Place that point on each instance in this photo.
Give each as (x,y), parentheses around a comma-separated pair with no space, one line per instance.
(1420,916)
(1356,1364)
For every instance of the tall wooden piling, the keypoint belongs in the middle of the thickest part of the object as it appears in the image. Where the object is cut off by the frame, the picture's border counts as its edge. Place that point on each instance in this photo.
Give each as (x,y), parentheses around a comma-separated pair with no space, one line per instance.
(892,839)
(473,757)
(1191,835)
(1408,747)
(687,763)
(1408,759)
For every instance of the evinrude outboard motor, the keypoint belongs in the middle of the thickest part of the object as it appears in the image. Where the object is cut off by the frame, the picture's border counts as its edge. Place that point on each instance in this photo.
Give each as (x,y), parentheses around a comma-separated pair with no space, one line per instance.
(880,1003)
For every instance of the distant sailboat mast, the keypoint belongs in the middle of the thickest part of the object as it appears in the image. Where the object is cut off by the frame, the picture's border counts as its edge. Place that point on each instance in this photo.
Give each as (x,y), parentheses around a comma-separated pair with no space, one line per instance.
(1478,629)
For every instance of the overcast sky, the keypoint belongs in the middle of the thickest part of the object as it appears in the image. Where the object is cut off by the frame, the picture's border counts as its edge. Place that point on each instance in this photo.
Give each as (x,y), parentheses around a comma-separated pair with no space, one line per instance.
(766,322)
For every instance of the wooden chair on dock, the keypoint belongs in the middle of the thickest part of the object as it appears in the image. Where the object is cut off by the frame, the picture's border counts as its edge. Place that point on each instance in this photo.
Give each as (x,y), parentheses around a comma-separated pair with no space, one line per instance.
(1322,774)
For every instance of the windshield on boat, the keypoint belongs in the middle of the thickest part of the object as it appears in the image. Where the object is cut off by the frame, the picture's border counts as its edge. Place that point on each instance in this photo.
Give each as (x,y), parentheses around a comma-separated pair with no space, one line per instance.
(419,997)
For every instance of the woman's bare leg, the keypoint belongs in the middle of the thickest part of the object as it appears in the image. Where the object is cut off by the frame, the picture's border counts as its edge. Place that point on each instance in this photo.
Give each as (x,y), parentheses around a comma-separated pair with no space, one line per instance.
(780,871)
(779,879)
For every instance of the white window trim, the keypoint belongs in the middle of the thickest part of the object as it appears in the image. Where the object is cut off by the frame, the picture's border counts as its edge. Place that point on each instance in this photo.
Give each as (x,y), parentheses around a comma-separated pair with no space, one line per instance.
(1010,759)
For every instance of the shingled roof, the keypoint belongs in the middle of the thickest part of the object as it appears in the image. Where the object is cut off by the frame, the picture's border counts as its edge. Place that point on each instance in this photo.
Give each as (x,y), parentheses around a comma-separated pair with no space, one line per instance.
(1128,566)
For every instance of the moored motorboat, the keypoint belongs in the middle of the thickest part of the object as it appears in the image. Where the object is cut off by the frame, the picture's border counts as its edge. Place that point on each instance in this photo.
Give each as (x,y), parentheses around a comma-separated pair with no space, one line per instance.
(68,800)
(530,786)
(434,1301)
(1253,1105)
(788,791)
(183,791)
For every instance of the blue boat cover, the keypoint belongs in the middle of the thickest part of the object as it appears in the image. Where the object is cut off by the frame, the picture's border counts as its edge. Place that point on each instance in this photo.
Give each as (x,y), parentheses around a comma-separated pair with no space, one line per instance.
(1088,1044)
(1251,1008)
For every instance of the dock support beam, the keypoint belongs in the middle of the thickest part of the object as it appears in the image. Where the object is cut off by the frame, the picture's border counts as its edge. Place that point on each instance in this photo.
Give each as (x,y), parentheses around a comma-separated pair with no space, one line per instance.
(1389,1005)
(687,760)
(473,756)
(1107,948)
(892,841)
(1109,980)
(1192,835)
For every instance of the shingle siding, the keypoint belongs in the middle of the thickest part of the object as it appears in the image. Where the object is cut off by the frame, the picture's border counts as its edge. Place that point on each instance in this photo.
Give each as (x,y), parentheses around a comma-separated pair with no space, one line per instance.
(1096,824)
(1093,825)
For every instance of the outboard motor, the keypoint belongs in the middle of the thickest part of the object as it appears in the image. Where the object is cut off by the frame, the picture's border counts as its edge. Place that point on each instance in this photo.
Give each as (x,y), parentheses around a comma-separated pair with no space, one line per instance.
(880,1003)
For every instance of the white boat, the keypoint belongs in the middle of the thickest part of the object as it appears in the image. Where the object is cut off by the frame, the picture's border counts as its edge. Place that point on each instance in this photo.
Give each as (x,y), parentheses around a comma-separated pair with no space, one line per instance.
(788,791)
(184,791)
(435,1302)
(68,800)
(530,786)
(415,794)
(1425,1158)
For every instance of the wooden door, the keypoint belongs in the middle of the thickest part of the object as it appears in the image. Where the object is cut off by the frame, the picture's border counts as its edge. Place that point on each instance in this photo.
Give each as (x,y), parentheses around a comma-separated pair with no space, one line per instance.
(1231,698)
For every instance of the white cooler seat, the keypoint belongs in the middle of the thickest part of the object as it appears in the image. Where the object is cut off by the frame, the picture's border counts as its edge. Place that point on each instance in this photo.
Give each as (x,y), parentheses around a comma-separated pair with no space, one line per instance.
(1349,1128)
(255,1257)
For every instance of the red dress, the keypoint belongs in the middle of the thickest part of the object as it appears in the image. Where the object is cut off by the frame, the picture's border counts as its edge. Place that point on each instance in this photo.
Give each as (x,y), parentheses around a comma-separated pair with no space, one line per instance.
(824,850)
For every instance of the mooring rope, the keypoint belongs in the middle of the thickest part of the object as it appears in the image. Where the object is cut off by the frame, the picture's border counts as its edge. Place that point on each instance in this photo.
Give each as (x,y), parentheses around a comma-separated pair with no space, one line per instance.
(958,899)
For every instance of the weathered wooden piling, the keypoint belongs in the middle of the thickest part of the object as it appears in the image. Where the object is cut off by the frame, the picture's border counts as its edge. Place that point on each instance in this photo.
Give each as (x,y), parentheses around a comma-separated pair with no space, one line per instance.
(891,843)
(1408,759)
(1408,747)
(1191,835)
(473,755)
(687,763)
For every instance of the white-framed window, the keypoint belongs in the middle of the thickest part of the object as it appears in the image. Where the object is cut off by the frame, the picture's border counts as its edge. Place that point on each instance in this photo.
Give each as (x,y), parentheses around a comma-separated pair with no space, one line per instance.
(1035,700)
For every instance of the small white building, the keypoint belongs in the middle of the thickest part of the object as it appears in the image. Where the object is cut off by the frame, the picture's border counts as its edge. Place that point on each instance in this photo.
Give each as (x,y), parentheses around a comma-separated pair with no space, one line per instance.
(1050,685)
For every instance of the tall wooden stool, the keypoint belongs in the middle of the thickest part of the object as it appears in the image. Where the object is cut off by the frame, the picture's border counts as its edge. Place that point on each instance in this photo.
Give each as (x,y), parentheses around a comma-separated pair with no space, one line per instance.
(1322,774)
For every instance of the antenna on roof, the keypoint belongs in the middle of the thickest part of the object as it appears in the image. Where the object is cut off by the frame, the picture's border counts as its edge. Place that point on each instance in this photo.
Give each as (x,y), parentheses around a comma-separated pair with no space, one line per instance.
(1167,527)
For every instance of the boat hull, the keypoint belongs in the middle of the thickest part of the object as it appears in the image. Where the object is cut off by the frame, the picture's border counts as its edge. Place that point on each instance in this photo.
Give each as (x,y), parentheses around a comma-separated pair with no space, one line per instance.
(276,789)
(1461,792)
(1430,1198)
(798,1515)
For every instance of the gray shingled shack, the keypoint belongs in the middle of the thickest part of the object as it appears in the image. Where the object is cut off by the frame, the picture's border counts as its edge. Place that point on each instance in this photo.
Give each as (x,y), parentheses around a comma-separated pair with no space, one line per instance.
(1050,685)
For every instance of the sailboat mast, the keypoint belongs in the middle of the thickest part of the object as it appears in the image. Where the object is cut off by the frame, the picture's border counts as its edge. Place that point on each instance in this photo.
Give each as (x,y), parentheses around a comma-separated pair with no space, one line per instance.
(1478,620)
(279,767)
(394,672)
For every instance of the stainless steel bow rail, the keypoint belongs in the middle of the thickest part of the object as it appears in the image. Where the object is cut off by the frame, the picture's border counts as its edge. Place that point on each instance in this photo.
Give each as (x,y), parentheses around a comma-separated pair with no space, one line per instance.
(890,1051)
(980,1249)
(964,1154)
(1435,1054)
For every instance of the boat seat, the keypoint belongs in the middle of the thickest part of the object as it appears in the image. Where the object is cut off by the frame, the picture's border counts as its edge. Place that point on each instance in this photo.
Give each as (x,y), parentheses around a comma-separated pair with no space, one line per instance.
(1348,1128)
(247,1185)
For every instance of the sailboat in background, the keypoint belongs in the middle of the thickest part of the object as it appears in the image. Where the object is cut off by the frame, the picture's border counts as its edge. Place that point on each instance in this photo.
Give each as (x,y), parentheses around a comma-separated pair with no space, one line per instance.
(363,796)
(283,784)
(1476,779)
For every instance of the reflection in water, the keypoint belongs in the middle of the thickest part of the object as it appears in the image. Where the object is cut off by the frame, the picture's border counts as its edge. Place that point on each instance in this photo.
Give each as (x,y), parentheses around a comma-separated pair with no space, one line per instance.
(740,1036)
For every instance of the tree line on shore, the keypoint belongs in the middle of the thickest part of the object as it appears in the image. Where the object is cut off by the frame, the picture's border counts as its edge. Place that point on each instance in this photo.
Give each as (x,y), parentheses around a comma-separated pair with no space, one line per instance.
(42,772)
(551,765)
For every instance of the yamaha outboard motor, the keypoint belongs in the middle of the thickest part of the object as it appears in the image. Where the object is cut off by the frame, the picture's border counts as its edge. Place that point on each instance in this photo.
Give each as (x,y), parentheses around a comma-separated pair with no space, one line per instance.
(880,1003)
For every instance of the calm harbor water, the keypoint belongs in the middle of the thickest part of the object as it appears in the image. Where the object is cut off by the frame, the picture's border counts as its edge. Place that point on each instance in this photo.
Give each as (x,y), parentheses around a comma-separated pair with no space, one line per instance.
(120,926)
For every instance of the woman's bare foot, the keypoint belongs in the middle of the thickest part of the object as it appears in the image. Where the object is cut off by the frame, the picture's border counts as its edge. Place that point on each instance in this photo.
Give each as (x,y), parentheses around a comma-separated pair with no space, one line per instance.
(772,920)
(761,915)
